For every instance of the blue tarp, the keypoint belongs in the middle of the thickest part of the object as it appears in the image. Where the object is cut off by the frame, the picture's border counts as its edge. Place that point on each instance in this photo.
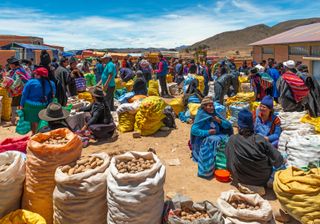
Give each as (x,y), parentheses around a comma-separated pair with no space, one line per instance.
(28,46)
(68,54)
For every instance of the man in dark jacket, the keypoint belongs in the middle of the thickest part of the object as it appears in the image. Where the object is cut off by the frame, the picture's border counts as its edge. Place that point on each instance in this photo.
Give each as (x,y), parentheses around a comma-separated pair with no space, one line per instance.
(250,157)
(140,84)
(61,78)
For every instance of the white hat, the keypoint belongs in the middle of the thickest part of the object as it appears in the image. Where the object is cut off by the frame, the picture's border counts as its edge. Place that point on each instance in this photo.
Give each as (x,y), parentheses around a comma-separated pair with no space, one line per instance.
(260,68)
(289,64)
(106,56)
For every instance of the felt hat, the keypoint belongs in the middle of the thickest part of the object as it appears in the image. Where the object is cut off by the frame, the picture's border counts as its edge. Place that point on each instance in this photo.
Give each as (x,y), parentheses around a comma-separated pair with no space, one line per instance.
(53,112)
(206,100)
(267,101)
(289,64)
(97,92)
(106,56)
(245,119)
(12,60)
(41,71)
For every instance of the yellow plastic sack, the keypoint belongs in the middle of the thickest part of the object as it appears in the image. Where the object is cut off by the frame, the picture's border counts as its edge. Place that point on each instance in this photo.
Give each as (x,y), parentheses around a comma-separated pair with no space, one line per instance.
(169,78)
(4,93)
(6,109)
(177,105)
(200,79)
(193,108)
(126,122)
(22,217)
(254,105)
(118,83)
(153,89)
(129,85)
(149,116)
(241,97)
(315,121)
(243,79)
(86,96)
(299,193)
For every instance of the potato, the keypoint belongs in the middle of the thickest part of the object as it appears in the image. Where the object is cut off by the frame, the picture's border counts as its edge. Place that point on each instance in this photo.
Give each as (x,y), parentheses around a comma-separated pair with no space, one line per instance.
(71,171)
(100,162)
(82,161)
(94,164)
(65,169)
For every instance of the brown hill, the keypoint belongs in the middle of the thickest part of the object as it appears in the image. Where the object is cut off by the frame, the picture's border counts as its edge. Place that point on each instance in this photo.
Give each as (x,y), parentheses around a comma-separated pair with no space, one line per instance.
(240,39)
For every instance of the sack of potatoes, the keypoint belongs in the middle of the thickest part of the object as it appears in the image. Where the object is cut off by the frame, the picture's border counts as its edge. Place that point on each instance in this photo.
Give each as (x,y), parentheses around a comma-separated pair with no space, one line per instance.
(134,165)
(184,211)
(55,140)
(83,164)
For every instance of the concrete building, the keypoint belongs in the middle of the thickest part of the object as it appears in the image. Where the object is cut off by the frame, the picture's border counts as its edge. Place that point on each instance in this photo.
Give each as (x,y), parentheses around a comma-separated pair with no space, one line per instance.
(299,44)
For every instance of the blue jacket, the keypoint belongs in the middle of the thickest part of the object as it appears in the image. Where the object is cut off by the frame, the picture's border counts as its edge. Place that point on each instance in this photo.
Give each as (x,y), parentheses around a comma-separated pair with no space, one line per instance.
(32,92)
(162,68)
(266,129)
(274,73)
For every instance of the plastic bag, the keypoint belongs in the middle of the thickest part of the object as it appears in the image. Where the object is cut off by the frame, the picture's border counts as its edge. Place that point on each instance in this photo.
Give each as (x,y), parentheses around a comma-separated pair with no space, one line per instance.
(23,217)
(136,198)
(200,79)
(6,109)
(136,97)
(193,108)
(85,193)
(241,97)
(118,83)
(169,78)
(23,127)
(149,116)
(299,193)
(90,79)
(313,121)
(177,105)
(126,122)
(129,107)
(11,181)
(42,161)
(86,96)
(181,202)
(17,144)
(220,109)
(153,89)
(129,85)
(243,216)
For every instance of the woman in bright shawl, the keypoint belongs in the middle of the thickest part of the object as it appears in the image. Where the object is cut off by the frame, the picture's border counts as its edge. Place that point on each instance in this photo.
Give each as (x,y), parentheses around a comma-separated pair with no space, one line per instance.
(207,133)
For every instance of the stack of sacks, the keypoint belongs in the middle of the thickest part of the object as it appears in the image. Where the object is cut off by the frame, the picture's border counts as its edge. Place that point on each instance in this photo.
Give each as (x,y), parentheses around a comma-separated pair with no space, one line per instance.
(315,121)
(126,116)
(241,97)
(235,108)
(299,193)
(150,115)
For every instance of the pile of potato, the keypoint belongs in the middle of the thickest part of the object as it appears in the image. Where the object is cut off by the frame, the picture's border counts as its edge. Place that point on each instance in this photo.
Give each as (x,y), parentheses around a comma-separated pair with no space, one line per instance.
(4,167)
(241,204)
(135,165)
(82,165)
(191,216)
(56,140)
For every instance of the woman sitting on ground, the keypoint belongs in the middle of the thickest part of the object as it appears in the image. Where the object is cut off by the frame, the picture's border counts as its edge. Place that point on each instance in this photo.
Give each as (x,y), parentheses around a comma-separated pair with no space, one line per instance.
(266,123)
(250,157)
(100,123)
(56,117)
(140,84)
(207,132)
(36,95)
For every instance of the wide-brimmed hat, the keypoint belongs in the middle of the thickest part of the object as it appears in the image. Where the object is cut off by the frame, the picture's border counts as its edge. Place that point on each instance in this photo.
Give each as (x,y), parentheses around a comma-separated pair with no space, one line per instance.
(106,56)
(53,112)
(12,60)
(97,92)
(289,64)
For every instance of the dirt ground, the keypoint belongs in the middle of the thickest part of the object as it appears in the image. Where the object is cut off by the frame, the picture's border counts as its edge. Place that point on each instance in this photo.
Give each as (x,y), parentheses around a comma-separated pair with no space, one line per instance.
(168,145)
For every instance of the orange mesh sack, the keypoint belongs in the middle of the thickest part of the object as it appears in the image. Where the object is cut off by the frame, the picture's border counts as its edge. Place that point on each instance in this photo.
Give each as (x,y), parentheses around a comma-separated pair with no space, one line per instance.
(42,162)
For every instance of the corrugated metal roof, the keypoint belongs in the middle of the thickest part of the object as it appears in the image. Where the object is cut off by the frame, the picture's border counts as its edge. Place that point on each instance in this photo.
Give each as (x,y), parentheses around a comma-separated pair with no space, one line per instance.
(307,33)
(28,46)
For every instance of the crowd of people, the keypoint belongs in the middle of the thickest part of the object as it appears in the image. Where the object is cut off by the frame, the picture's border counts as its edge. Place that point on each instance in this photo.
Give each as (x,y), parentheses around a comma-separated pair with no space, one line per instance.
(42,92)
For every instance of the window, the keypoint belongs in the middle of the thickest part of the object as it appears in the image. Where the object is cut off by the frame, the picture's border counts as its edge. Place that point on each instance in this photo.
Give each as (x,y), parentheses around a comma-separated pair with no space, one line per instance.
(298,50)
(315,50)
(267,50)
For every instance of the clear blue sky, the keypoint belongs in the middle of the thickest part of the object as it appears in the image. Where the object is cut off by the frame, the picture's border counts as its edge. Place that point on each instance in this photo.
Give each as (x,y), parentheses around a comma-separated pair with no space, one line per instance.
(129,23)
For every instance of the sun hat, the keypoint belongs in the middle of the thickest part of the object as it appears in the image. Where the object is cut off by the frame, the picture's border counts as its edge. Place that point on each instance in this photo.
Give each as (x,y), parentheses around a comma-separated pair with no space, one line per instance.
(289,64)
(53,112)
(106,56)
(260,68)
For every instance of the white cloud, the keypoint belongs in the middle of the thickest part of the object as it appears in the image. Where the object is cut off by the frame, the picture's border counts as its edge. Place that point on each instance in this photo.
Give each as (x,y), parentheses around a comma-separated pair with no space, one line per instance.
(185,26)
